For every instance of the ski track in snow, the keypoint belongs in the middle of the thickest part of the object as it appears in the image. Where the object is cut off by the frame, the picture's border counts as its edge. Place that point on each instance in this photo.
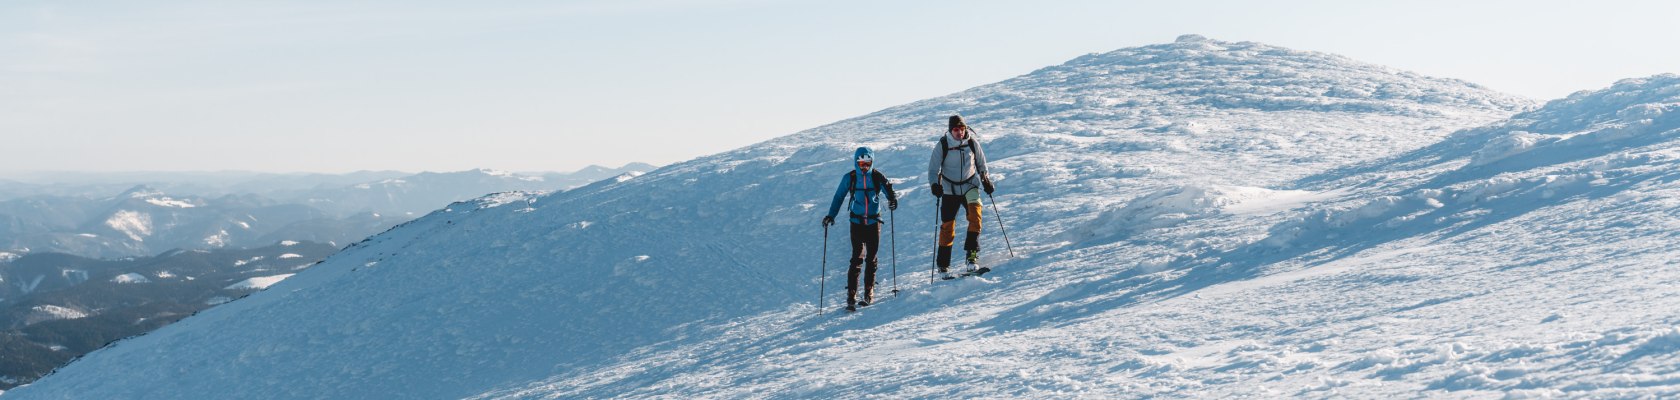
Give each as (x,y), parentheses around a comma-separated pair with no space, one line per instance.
(1200,219)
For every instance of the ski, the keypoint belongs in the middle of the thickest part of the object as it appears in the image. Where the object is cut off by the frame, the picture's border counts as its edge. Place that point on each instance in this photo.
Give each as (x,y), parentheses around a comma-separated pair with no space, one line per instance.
(972,270)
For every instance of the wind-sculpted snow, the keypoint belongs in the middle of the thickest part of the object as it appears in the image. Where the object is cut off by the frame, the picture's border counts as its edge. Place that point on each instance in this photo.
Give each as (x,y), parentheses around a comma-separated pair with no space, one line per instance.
(1200,219)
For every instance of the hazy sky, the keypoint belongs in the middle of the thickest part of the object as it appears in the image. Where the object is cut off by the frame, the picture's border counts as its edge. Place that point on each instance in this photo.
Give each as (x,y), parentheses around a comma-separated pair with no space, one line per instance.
(333,86)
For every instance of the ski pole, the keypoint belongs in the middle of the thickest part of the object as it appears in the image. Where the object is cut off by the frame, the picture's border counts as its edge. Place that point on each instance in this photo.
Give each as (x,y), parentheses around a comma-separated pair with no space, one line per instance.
(822,281)
(892,229)
(1001,226)
(934,262)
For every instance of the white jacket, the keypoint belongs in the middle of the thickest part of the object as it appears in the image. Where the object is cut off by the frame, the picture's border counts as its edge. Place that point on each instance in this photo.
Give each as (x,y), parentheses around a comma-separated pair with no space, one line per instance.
(957,165)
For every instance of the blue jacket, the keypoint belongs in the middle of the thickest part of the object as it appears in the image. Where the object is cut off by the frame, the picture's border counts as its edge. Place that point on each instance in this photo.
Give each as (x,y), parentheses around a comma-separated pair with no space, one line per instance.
(865,189)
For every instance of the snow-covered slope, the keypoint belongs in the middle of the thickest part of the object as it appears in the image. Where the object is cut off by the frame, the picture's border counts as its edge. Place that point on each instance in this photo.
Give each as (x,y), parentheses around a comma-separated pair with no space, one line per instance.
(1151,193)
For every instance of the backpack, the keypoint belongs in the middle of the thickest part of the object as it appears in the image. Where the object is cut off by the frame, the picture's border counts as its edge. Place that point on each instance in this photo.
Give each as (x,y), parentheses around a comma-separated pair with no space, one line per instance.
(944,141)
(880,182)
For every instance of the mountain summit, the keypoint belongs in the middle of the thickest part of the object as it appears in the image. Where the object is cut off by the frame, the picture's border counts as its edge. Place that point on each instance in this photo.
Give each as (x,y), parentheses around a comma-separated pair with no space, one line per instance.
(1193,219)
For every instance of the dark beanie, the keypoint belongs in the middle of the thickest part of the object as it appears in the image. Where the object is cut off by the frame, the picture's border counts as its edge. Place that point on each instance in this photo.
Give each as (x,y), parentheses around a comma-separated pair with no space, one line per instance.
(956,121)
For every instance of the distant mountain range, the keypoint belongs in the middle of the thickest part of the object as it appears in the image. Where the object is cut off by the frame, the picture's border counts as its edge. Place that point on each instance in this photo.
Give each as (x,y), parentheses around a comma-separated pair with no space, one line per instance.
(230,210)
(55,307)
(284,186)
(418,194)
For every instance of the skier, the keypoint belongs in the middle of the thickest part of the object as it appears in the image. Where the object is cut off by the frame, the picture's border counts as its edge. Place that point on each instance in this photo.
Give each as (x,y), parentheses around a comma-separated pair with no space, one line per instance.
(864,185)
(958,174)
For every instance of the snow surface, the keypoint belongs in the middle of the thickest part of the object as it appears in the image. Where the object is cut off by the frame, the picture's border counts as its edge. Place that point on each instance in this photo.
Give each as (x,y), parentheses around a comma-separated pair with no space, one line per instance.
(130,278)
(135,224)
(52,312)
(1200,219)
(217,240)
(505,198)
(259,283)
(169,202)
(289,255)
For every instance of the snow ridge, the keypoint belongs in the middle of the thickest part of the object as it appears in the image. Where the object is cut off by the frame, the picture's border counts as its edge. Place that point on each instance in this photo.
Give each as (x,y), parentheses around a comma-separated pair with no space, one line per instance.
(1195,219)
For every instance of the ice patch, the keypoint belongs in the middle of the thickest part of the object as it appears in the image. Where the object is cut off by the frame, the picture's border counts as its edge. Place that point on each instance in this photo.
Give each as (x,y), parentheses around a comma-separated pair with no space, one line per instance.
(134,224)
(168,202)
(52,312)
(259,283)
(217,240)
(504,198)
(290,255)
(130,278)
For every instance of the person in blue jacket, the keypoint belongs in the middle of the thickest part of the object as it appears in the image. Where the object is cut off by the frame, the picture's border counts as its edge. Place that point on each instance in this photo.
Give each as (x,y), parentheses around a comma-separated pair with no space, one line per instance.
(864,185)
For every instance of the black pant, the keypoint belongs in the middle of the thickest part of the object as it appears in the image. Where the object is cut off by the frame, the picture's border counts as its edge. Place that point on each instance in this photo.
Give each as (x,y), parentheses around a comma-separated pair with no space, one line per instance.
(866,241)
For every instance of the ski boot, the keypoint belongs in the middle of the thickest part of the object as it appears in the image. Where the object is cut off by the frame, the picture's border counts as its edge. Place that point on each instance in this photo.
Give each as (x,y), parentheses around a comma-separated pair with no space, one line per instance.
(868,297)
(974,267)
(972,262)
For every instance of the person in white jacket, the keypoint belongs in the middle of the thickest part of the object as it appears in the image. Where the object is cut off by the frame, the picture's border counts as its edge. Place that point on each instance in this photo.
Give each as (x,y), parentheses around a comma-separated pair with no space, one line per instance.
(957,171)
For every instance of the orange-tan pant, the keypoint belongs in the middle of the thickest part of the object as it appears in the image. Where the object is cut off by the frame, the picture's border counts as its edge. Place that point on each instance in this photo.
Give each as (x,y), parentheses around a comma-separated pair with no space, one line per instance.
(948,214)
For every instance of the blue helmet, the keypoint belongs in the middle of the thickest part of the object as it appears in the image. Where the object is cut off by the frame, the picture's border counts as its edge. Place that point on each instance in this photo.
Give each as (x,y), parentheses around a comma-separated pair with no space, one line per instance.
(862,155)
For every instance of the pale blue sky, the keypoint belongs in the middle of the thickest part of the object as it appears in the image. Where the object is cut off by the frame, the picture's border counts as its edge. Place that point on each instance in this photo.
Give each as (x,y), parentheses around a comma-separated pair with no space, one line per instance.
(333,86)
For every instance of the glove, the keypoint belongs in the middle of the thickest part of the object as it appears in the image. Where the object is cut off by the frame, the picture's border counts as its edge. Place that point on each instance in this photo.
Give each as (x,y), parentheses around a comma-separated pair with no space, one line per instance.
(892,204)
(938,190)
(987,185)
(828,221)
